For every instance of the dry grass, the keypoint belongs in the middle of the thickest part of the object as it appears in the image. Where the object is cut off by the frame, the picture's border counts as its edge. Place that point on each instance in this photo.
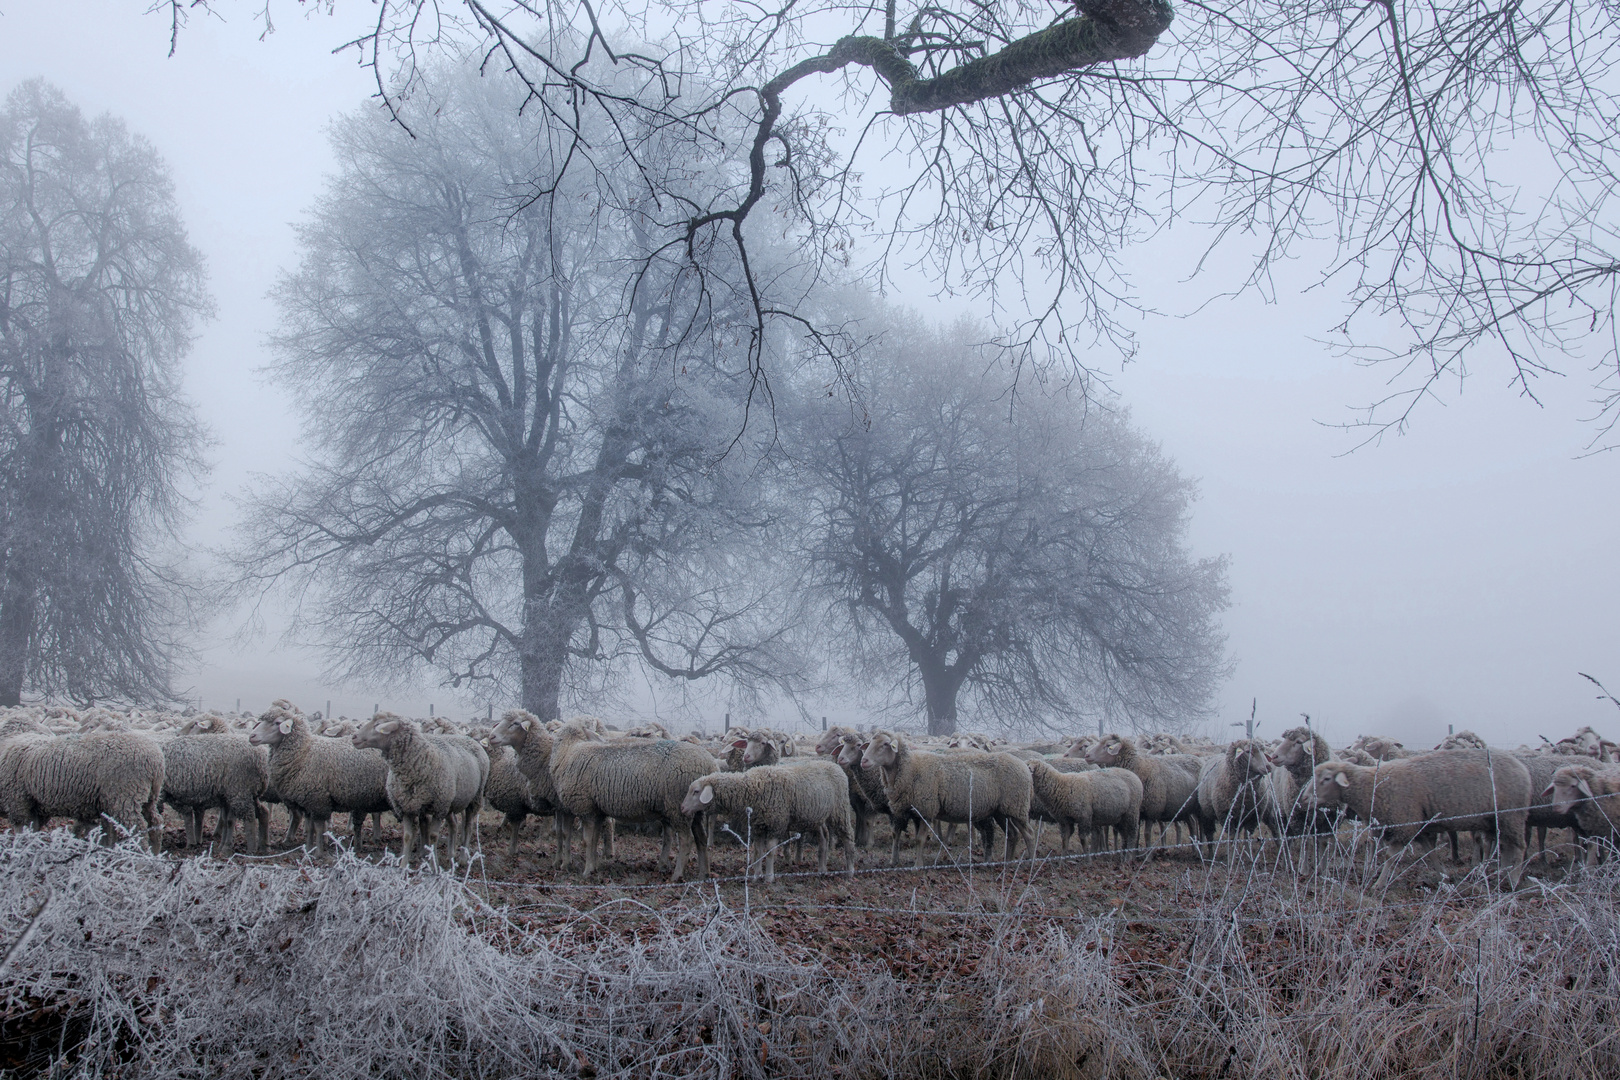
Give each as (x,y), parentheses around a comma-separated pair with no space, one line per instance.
(158,966)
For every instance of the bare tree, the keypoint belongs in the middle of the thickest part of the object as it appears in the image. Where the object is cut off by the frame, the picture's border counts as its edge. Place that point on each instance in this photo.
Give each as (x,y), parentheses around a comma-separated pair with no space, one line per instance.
(1456,156)
(99,292)
(1032,559)
(518,416)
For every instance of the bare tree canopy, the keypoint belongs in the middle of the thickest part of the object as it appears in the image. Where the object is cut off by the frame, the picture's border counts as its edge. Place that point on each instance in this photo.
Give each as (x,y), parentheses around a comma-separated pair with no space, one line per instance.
(1456,158)
(1031,559)
(518,414)
(99,293)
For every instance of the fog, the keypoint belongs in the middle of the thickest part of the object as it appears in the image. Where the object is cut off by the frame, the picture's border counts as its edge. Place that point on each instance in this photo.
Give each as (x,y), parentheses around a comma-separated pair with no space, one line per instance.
(1460,573)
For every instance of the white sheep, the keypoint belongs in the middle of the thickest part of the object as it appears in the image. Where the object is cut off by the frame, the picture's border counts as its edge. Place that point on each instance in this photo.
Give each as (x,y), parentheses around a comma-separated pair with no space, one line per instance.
(631,780)
(962,787)
(1169,782)
(222,771)
(317,777)
(777,801)
(116,775)
(1090,801)
(432,779)
(1416,799)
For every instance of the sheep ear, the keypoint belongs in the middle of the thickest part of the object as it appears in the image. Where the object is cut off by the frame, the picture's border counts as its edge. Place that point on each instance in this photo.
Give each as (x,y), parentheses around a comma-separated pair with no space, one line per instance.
(526,724)
(1341,779)
(388,727)
(1584,788)
(285,727)
(706,796)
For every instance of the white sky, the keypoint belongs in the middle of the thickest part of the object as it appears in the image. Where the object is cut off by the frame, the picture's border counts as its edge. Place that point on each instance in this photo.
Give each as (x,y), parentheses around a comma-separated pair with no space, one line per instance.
(1462,573)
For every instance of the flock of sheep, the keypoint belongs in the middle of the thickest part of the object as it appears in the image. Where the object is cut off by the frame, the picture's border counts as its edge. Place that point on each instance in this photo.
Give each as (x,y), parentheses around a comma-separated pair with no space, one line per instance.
(117,770)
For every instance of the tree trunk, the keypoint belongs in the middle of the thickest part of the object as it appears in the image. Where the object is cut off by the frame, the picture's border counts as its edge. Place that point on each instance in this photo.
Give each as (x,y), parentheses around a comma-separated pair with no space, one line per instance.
(939,694)
(16,619)
(542,655)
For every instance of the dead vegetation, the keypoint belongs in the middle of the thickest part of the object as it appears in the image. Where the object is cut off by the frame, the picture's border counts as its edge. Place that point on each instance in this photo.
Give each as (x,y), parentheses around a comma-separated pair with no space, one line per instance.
(142,965)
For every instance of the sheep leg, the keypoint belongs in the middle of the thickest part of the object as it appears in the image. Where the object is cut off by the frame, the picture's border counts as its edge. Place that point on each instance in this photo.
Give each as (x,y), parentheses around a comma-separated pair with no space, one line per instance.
(193,819)
(821,847)
(700,843)
(315,832)
(513,824)
(683,838)
(663,848)
(562,831)
(407,840)
(295,823)
(770,861)
(612,829)
(592,826)
(863,827)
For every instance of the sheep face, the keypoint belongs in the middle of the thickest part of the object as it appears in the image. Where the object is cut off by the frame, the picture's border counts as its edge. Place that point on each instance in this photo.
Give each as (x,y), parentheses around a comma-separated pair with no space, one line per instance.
(1249,761)
(269,730)
(1570,785)
(832,740)
(1288,753)
(1080,747)
(514,728)
(1107,752)
(1328,784)
(378,733)
(756,748)
(850,751)
(698,796)
(882,752)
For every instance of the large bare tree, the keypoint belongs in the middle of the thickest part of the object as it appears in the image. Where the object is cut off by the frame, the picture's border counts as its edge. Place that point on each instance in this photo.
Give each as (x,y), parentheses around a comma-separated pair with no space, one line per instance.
(1031,560)
(520,416)
(1456,157)
(99,294)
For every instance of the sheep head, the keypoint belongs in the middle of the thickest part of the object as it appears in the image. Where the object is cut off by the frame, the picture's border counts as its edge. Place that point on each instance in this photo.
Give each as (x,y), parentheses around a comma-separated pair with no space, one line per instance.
(276,723)
(1108,750)
(850,749)
(1248,757)
(515,727)
(379,732)
(1329,782)
(1080,747)
(832,740)
(1570,785)
(757,748)
(698,796)
(883,751)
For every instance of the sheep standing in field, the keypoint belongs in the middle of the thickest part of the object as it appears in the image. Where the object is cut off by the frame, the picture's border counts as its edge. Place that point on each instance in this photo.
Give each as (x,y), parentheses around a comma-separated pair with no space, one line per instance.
(865,785)
(1241,790)
(1416,799)
(1091,802)
(116,775)
(1169,783)
(1590,795)
(223,771)
(316,777)
(432,779)
(631,780)
(1299,752)
(531,742)
(507,793)
(777,801)
(965,787)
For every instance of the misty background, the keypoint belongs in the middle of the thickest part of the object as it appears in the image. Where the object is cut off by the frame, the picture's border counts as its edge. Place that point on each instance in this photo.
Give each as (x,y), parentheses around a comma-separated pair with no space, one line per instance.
(1459,573)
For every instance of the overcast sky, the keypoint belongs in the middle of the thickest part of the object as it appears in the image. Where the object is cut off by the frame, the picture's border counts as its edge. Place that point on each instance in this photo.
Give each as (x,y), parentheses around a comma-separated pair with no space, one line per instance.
(1459,574)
